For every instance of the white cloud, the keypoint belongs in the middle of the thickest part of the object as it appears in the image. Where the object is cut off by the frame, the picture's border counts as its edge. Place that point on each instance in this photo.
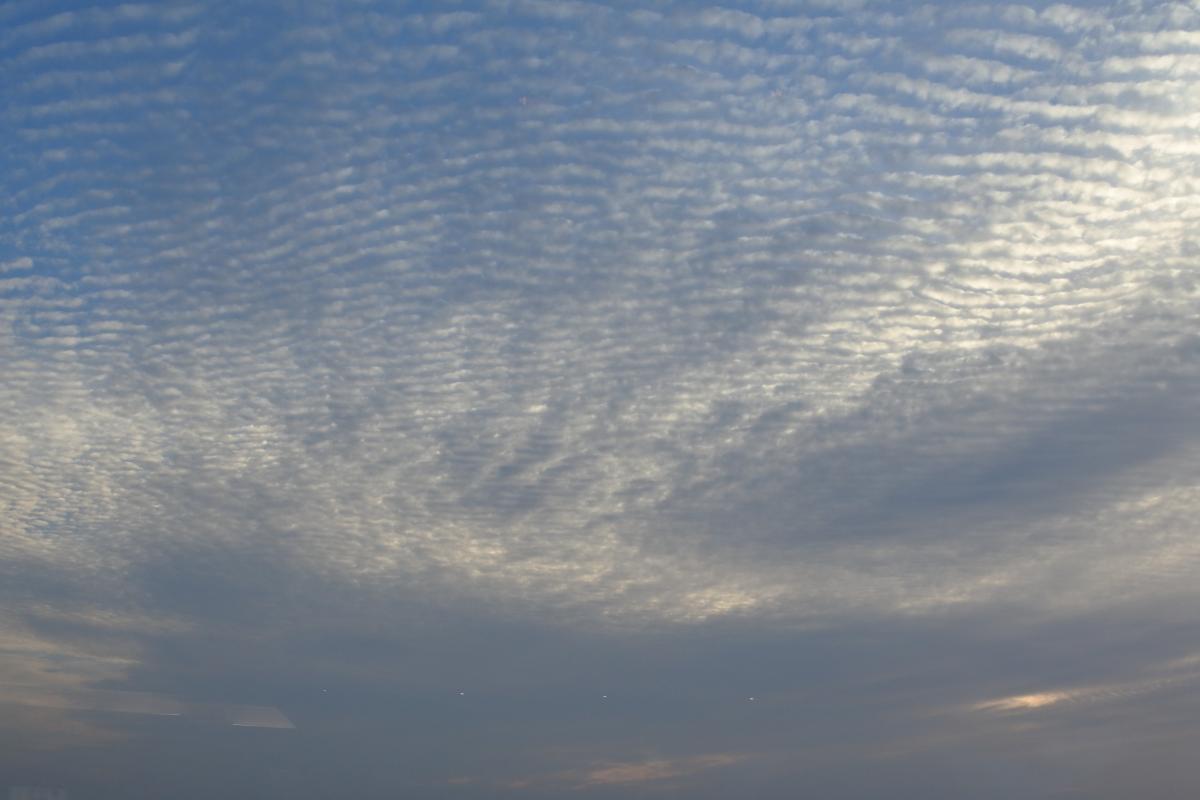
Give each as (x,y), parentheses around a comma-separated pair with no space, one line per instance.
(536,336)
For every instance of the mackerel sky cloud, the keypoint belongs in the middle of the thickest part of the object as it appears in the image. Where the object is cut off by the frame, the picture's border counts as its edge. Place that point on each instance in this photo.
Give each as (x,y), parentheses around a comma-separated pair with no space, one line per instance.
(501,394)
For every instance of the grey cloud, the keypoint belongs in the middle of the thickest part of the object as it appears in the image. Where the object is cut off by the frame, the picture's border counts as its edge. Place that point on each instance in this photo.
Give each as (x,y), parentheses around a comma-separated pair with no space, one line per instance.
(534,317)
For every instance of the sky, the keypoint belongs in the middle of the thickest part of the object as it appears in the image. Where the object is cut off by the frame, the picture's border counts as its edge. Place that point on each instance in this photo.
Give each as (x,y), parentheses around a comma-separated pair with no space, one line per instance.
(558,399)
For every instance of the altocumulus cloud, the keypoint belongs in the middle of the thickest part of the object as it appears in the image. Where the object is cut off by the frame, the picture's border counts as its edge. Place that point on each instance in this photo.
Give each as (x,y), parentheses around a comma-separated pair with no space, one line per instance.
(786,316)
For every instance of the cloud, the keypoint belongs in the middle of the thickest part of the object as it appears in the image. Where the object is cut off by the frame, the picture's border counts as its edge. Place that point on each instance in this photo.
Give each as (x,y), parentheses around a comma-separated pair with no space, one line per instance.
(560,317)
(143,703)
(656,770)
(535,355)
(1171,676)
(635,772)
